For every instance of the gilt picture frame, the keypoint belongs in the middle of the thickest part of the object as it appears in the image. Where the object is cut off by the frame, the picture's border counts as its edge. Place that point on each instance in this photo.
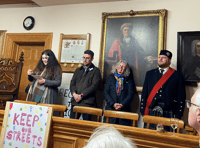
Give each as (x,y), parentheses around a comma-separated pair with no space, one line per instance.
(147,36)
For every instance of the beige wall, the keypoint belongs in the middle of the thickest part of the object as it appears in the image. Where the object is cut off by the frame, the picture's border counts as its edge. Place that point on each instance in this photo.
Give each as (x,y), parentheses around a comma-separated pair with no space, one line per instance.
(86,18)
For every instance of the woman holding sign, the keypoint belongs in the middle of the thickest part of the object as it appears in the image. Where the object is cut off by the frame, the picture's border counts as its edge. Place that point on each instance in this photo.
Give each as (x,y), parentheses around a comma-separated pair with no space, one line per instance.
(46,78)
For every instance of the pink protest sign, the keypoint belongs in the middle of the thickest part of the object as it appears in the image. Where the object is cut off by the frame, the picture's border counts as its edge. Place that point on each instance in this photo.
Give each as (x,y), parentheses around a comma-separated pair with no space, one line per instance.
(25,125)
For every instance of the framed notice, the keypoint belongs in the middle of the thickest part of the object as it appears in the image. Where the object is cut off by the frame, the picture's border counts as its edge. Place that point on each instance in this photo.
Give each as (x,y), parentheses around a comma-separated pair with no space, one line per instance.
(25,125)
(71,51)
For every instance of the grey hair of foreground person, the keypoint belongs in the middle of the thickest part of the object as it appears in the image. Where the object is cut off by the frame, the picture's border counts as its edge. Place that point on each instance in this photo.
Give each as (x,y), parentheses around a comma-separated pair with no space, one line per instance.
(108,137)
(127,69)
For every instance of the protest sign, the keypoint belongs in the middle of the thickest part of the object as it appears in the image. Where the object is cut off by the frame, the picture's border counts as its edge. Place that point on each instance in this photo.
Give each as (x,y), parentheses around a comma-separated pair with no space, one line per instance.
(25,125)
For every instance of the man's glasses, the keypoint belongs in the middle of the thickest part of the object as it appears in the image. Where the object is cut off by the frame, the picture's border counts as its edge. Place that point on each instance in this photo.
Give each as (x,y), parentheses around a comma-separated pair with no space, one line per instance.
(86,58)
(189,104)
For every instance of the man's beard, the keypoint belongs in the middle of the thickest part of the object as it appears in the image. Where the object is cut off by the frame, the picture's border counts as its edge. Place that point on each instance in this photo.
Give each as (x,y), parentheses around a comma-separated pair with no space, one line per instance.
(163,65)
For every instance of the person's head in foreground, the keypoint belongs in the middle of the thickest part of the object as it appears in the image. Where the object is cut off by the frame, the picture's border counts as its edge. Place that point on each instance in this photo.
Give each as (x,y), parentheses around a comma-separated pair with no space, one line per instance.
(108,137)
(194,111)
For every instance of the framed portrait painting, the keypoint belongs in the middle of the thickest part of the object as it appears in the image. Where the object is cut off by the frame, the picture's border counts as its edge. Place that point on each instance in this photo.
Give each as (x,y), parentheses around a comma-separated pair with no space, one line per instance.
(189,56)
(134,36)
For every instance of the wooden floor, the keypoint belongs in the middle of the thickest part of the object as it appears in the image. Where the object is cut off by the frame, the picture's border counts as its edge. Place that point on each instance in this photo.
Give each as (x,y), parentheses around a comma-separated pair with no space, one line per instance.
(73,133)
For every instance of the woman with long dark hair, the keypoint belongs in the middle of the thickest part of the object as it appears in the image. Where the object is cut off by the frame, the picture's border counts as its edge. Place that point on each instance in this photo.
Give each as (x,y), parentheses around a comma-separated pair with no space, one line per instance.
(45,88)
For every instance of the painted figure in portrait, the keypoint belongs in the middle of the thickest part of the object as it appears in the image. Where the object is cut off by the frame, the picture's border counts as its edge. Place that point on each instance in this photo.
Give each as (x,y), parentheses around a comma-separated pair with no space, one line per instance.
(191,68)
(128,40)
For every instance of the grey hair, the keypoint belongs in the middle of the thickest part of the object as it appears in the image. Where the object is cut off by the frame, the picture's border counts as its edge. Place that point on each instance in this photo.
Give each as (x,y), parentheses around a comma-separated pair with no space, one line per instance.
(193,47)
(127,69)
(108,137)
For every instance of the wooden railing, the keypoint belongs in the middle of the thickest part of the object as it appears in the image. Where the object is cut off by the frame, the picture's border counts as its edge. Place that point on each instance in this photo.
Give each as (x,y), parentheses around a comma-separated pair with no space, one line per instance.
(162,120)
(73,133)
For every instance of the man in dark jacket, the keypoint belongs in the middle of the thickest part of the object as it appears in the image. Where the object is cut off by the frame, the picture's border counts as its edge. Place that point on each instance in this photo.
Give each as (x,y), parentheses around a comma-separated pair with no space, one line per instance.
(84,84)
(163,94)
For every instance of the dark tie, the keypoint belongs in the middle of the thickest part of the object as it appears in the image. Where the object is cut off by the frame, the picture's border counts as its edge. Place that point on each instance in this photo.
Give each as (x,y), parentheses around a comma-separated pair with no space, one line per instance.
(161,71)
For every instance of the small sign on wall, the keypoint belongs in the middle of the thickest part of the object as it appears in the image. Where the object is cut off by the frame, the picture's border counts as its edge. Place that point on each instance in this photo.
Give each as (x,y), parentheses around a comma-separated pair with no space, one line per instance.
(25,125)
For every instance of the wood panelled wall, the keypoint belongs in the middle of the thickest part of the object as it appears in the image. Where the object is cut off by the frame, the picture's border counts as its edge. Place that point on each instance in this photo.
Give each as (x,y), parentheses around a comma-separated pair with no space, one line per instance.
(72,133)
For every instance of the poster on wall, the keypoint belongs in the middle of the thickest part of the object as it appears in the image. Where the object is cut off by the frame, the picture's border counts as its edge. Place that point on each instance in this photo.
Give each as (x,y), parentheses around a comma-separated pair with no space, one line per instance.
(25,125)
(64,96)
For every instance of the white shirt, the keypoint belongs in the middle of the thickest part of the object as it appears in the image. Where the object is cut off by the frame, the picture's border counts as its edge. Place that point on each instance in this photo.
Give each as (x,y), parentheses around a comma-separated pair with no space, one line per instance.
(165,70)
(127,40)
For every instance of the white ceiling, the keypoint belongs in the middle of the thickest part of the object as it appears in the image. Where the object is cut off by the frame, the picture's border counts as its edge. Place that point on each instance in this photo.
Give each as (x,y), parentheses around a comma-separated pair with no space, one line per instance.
(43,3)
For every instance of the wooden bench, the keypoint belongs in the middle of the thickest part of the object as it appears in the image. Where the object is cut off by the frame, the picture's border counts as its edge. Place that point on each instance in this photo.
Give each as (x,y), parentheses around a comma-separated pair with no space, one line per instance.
(191,131)
(59,108)
(25,102)
(88,110)
(161,120)
(121,115)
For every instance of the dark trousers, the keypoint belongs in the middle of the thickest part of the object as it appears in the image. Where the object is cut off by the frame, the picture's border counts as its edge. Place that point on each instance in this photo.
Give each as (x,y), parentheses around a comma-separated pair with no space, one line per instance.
(125,122)
(85,116)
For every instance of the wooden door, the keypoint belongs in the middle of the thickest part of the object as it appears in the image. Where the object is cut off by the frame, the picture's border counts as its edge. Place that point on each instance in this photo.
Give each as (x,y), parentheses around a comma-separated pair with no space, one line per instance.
(32,55)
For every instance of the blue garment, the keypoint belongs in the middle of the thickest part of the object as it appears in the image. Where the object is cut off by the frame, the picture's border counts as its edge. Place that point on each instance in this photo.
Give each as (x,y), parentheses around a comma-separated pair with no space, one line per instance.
(121,78)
